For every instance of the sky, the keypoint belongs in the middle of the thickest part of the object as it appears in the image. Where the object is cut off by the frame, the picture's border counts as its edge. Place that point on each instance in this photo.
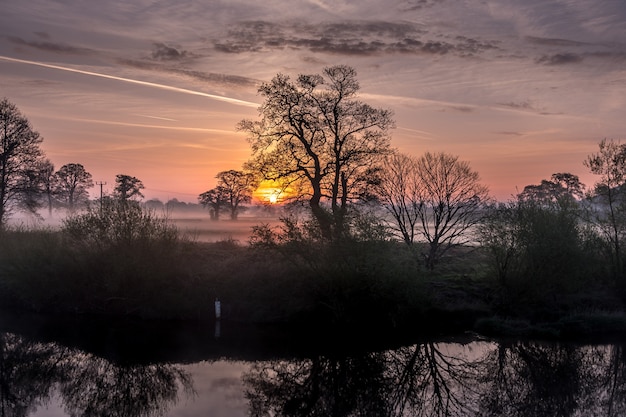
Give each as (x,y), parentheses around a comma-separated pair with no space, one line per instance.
(521,89)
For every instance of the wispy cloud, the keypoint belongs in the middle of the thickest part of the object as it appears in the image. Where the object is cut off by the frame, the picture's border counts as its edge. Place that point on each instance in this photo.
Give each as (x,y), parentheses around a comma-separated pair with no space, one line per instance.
(205,77)
(48,46)
(560,59)
(157,117)
(132,81)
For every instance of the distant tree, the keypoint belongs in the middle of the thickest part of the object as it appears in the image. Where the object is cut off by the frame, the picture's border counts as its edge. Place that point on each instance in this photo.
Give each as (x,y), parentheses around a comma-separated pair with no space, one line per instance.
(564,188)
(20,155)
(127,187)
(449,202)
(48,180)
(154,204)
(238,187)
(610,192)
(175,204)
(215,200)
(72,182)
(315,135)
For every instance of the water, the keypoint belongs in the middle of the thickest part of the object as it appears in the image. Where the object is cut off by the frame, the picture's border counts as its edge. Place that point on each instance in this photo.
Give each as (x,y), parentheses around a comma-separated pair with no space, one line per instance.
(102,368)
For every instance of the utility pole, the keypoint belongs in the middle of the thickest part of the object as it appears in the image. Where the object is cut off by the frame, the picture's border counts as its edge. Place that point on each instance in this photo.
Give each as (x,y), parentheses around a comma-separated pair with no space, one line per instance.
(101,183)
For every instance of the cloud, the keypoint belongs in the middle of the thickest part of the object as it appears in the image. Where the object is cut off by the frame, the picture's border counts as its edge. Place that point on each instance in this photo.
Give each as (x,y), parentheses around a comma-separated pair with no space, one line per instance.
(411,5)
(553,41)
(560,59)
(510,133)
(163,52)
(462,109)
(524,105)
(207,77)
(347,38)
(59,48)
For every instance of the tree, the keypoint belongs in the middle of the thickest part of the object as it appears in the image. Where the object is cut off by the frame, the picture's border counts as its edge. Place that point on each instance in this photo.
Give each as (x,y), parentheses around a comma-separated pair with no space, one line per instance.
(127,187)
(48,179)
(448,201)
(72,184)
(237,187)
(315,135)
(215,200)
(610,164)
(398,193)
(563,188)
(20,153)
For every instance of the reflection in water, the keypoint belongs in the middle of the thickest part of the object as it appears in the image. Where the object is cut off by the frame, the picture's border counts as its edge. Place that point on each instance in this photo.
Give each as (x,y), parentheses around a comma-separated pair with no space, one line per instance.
(88,385)
(480,378)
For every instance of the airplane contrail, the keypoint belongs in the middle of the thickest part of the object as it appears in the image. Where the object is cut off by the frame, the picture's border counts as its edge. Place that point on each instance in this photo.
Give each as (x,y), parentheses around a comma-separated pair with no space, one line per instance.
(129,80)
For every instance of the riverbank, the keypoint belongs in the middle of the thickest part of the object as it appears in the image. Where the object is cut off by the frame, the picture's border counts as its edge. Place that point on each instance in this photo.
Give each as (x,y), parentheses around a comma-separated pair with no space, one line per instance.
(350,286)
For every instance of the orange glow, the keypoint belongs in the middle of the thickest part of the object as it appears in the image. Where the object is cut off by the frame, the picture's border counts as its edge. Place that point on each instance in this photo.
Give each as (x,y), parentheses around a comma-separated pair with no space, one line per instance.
(271,192)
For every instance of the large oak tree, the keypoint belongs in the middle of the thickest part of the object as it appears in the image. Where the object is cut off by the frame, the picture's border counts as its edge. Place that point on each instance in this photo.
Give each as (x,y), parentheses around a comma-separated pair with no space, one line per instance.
(315,135)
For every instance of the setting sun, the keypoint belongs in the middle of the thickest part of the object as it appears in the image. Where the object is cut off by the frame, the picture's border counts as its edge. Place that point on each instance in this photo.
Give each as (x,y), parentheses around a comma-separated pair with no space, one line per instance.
(270,192)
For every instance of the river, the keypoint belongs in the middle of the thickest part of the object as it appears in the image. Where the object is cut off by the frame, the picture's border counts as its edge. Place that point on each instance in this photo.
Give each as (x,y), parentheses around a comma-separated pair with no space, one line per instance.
(99,367)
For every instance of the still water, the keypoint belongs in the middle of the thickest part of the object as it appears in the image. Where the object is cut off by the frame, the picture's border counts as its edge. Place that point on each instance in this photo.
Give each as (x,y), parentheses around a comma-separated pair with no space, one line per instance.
(98,368)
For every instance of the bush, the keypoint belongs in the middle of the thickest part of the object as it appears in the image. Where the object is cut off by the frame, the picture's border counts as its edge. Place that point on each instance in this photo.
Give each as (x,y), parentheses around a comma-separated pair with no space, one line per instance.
(539,252)
(121,224)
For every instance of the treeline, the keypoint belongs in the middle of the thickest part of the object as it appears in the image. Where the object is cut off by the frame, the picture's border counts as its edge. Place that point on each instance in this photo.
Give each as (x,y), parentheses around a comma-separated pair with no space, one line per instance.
(29,181)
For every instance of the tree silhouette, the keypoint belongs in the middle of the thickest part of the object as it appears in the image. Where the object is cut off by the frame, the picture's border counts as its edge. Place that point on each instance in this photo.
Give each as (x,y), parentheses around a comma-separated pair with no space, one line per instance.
(215,200)
(72,182)
(20,154)
(436,196)
(317,136)
(127,187)
(237,187)
(610,164)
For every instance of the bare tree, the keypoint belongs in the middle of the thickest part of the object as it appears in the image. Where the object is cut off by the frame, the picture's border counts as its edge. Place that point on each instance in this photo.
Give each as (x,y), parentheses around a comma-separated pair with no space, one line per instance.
(127,187)
(316,135)
(72,184)
(450,199)
(398,192)
(20,154)
(238,187)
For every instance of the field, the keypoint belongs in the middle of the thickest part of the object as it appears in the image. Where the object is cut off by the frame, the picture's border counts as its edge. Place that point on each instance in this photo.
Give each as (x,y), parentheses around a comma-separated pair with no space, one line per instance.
(203,229)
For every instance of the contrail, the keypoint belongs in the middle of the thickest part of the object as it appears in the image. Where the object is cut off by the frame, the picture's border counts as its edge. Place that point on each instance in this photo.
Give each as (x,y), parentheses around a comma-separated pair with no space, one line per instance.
(129,80)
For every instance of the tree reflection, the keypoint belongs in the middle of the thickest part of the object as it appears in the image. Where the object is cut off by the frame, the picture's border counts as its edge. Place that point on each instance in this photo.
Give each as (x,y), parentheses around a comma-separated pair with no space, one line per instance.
(420,380)
(532,379)
(520,379)
(426,381)
(321,386)
(89,386)
(27,373)
(613,382)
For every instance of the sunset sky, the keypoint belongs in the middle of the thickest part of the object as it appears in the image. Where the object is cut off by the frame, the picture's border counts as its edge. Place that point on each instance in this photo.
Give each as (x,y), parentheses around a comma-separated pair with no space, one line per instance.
(520,88)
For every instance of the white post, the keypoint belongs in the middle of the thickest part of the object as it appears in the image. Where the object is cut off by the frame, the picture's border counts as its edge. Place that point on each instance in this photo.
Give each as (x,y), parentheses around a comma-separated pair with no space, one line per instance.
(218,309)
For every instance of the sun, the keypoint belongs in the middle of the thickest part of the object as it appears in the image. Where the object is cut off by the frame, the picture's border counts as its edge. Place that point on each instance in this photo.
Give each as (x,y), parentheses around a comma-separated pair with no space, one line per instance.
(270,192)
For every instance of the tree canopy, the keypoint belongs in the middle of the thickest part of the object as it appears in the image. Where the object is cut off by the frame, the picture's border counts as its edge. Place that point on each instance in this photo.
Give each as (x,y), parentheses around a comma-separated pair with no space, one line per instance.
(128,187)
